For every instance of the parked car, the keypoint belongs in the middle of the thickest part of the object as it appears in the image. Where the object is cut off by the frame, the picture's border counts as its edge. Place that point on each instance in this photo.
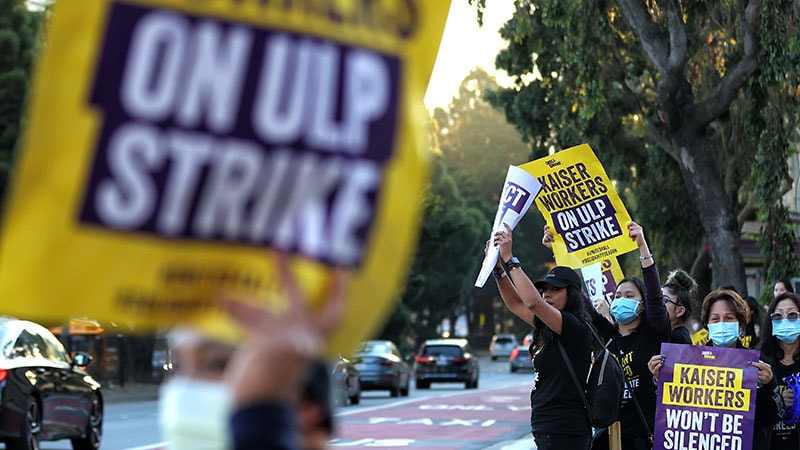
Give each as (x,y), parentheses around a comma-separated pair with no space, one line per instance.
(346,382)
(382,367)
(446,360)
(502,345)
(45,394)
(521,359)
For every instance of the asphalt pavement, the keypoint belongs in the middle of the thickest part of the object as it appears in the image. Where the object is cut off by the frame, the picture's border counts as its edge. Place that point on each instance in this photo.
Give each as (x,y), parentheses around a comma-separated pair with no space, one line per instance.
(130,392)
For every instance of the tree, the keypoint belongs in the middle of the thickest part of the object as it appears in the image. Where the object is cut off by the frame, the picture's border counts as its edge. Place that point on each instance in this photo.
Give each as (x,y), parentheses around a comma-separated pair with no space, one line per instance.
(18,45)
(444,266)
(635,79)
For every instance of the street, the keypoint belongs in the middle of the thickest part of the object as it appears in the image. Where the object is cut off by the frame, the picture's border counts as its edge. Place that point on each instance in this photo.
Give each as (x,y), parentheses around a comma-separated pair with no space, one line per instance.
(446,416)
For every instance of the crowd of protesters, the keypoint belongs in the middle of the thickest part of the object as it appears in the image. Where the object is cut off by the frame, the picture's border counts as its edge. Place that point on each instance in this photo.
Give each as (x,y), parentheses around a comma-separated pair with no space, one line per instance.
(642,316)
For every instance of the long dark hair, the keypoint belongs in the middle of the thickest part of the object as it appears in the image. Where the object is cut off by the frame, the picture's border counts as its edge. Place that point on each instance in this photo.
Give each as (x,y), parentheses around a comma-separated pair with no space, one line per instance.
(683,287)
(769,343)
(756,310)
(543,335)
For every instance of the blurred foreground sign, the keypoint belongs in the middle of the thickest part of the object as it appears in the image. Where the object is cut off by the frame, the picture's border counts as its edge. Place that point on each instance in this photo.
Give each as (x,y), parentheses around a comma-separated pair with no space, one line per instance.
(172,143)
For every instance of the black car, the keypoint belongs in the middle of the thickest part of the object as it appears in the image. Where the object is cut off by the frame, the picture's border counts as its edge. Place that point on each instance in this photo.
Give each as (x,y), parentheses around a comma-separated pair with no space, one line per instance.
(382,367)
(448,361)
(44,393)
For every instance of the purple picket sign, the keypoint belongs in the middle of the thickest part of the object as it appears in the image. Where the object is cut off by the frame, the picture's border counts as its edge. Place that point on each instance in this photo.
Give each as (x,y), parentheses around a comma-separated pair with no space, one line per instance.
(706,398)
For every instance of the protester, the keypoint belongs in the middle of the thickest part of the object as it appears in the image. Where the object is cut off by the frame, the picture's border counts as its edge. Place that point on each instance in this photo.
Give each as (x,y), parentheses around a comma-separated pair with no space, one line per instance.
(781,286)
(266,372)
(679,291)
(269,392)
(780,343)
(195,404)
(723,315)
(642,324)
(554,307)
(753,315)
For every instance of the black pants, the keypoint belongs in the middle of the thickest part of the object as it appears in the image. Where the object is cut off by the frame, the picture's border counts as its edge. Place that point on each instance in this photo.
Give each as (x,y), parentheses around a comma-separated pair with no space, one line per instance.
(551,441)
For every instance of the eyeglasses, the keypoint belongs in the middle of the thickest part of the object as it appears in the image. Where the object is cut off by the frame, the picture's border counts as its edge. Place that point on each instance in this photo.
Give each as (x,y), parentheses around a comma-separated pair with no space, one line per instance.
(668,300)
(794,315)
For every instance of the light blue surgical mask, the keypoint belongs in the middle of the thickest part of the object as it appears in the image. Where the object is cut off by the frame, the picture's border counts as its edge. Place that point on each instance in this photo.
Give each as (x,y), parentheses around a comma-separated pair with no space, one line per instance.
(723,334)
(624,310)
(786,330)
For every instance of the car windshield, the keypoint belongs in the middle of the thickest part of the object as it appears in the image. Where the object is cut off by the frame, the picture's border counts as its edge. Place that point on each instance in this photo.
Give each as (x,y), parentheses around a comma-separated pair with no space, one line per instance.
(442,350)
(504,340)
(373,348)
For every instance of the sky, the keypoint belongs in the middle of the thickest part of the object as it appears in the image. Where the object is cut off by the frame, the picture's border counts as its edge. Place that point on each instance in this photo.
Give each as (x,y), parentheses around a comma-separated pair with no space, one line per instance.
(465,46)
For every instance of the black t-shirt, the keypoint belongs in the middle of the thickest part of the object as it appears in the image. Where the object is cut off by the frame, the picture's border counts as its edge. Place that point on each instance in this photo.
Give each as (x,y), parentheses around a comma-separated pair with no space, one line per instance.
(556,405)
(633,352)
(680,335)
(785,436)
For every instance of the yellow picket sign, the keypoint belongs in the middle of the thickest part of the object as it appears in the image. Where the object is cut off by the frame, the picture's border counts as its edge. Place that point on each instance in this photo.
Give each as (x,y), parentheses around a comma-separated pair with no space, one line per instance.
(579,203)
(172,145)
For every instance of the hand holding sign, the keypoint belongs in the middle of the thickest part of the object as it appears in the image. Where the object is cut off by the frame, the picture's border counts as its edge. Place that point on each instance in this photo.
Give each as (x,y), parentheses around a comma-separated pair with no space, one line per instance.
(519,190)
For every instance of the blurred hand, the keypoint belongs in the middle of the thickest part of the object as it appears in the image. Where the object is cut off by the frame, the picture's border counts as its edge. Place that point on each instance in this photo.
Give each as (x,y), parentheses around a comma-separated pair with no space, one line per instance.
(788,397)
(636,233)
(547,238)
(603,308)
(270,364)
(655,364)
(764,371)
(504,240)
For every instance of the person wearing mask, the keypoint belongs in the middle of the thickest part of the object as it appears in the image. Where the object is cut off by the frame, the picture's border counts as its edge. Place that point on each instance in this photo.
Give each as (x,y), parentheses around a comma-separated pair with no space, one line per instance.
(780,342)
(269,391)
(642,324)
(781,286)
(554,307)
(195,404)
(723,315)
(679,291)
(754,313)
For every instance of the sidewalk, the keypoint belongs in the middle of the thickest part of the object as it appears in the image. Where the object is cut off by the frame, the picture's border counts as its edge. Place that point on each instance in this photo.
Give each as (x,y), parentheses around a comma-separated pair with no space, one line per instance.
(130,392)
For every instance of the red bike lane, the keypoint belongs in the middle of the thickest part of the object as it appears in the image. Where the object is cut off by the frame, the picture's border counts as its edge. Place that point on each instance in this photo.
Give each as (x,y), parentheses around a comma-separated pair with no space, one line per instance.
(464,420)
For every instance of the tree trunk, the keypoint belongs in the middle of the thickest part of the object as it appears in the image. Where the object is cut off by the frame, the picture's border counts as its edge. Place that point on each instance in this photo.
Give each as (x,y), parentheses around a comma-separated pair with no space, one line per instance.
(705,186)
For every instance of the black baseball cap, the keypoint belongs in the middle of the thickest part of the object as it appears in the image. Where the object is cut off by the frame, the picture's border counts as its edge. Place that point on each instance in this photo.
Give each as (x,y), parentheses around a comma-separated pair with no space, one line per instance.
(561,276)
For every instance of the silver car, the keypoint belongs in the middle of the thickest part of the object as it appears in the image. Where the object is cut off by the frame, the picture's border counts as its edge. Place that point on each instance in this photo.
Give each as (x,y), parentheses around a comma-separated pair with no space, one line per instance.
(502,345)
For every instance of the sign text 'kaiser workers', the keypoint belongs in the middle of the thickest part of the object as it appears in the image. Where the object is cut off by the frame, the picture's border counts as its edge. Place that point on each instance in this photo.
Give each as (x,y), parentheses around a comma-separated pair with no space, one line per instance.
(171,145)
(583,210)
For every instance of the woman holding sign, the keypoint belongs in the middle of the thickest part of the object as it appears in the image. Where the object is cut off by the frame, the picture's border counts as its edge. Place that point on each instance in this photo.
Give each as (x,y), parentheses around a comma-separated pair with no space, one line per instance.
(554,308)
(723,314)
(780,342)
(642,324)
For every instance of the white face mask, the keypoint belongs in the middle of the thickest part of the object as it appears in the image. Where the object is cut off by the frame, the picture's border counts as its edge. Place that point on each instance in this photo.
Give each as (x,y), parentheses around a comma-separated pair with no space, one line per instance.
(194,414)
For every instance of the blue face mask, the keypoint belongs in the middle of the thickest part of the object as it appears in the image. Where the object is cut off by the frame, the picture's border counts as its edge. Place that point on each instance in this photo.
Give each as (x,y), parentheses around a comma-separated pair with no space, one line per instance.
(723,334)
(624,310)
(786,330)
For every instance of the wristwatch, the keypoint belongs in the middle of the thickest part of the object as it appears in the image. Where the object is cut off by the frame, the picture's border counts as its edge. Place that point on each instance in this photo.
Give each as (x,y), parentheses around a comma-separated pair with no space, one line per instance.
(512,263)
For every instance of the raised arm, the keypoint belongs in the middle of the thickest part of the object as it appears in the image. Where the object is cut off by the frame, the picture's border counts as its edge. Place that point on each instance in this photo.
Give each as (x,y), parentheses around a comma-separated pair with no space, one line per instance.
(655,311)
(527,292)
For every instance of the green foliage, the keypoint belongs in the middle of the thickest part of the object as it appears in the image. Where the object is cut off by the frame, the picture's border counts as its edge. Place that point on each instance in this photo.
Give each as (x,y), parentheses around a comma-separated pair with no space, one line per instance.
(18,43)
(473,146)
(584,75)
(774,89)
(448,255)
